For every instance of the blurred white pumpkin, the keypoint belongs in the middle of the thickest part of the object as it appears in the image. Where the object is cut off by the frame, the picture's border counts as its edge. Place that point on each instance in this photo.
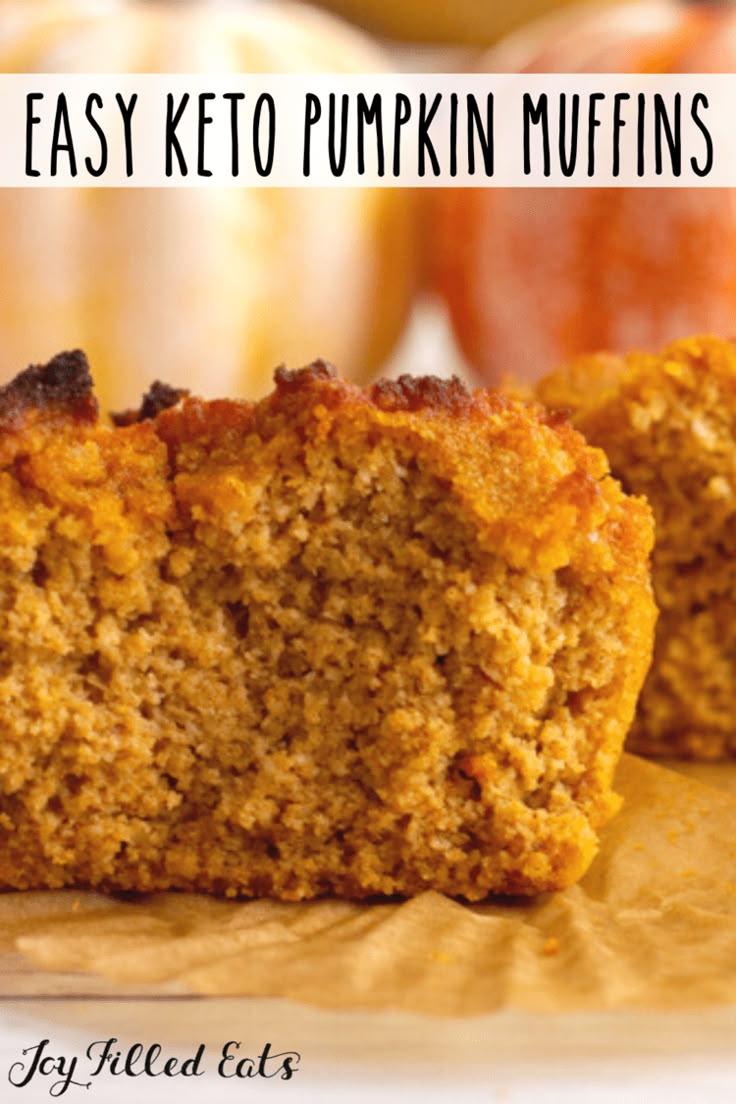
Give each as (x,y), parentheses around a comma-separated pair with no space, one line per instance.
(208,289)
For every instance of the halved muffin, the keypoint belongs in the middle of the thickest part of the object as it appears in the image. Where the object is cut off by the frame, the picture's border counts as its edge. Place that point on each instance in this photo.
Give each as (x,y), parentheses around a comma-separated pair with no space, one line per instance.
(338,641)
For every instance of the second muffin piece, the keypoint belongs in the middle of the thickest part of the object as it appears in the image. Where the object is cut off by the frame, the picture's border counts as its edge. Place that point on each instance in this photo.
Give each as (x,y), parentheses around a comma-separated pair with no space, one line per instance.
(668,425)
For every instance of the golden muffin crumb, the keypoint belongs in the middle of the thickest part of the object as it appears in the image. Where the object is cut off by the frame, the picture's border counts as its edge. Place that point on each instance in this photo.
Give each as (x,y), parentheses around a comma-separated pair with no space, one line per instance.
(668,426)
(334,642)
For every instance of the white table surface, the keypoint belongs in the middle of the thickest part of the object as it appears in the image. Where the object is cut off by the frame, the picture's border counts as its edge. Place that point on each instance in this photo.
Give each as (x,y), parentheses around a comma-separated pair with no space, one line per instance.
(507,1058)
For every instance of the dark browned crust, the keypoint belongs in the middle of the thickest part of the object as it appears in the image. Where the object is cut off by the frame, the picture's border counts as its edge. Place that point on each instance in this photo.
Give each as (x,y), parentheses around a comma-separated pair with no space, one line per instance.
(294,379)
(407,393)
(414,393)
(64,385)
(160,396)
(557,417)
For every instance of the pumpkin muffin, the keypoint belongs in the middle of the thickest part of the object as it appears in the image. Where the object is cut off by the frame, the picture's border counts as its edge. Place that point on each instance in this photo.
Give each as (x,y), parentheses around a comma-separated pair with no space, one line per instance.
(339,641)
(668,426)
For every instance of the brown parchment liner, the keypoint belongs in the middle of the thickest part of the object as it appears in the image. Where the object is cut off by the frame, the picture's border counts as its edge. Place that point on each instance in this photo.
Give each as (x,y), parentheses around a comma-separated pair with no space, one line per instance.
(652,925)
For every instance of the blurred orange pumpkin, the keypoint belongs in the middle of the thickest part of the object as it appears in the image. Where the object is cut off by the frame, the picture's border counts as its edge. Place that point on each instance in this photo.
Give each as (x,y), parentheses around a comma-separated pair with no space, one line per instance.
(209,289)
(533,277)
(468,22)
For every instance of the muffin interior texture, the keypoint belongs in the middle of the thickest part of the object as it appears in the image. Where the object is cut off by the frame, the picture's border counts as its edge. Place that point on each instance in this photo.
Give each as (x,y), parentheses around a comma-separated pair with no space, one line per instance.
(668,426)
(294,662)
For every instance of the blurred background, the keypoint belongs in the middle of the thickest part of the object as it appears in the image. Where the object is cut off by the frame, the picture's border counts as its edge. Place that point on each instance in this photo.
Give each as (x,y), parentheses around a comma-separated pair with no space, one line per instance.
(212,289)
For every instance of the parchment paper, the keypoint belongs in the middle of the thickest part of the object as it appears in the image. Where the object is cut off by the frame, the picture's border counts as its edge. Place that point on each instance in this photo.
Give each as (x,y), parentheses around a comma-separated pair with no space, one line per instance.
(718,773)
(652,925)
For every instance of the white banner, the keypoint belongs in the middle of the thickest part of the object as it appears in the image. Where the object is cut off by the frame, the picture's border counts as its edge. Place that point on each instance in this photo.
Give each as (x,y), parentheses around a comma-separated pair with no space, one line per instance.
(393,130)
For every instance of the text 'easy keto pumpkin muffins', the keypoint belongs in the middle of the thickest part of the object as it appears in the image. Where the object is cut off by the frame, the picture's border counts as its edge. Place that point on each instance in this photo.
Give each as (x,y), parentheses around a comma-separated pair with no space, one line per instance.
(339,641)
(668,425)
